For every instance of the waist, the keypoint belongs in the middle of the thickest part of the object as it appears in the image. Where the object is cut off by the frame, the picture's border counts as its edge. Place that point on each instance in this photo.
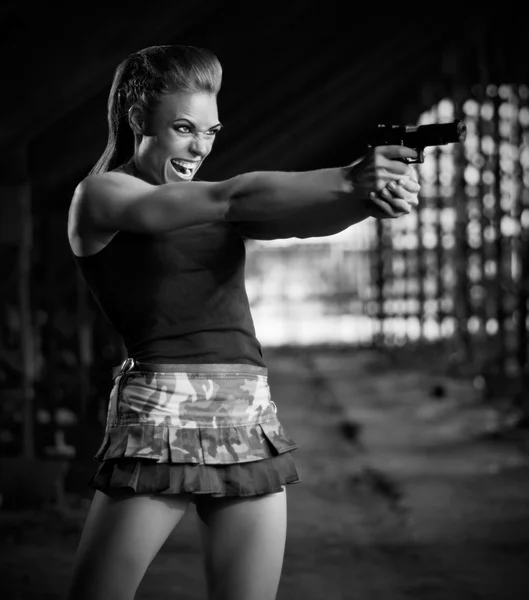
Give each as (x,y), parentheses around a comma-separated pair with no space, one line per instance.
(207,394)
(222,346)
(130,365)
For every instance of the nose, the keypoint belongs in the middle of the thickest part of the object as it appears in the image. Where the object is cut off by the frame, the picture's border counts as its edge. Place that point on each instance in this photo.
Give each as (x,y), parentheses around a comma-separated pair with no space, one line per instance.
(199,146)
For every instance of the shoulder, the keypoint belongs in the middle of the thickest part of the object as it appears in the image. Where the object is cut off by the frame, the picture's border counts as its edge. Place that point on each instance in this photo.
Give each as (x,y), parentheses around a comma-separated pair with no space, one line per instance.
(94,191)
(107,186)
(111,178)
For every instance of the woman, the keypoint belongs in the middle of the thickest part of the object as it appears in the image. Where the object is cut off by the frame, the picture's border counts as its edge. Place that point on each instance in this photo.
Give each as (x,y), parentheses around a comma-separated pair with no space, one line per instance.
(190,417)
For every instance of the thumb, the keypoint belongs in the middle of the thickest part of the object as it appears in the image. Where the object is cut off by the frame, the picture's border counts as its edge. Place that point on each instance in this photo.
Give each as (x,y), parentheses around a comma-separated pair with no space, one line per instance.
(412,174)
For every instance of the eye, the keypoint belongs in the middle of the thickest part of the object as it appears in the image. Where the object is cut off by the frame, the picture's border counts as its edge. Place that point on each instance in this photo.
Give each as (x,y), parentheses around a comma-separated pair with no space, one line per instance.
(183,129)
(213,132)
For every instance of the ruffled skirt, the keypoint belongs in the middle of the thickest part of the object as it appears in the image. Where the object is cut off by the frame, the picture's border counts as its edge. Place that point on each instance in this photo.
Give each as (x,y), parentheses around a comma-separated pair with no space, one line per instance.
(199,429)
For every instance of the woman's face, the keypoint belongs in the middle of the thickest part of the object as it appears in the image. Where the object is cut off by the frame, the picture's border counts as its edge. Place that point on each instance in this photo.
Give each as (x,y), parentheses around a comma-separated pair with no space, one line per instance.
(176,138)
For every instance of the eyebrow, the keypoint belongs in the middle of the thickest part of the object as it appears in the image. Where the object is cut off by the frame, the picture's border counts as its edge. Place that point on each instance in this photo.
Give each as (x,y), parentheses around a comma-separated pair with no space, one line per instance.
(217,126)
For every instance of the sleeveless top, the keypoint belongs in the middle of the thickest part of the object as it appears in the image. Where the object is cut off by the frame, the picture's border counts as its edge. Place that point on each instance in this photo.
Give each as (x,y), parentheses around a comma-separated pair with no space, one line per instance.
(177,297)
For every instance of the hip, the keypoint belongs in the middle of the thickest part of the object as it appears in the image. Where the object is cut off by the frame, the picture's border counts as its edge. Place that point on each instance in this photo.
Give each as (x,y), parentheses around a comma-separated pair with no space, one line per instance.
(190,395)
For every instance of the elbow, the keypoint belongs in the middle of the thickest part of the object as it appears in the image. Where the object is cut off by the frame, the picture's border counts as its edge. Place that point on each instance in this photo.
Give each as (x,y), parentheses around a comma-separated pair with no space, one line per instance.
(225,194)
(232,194)
(239,197)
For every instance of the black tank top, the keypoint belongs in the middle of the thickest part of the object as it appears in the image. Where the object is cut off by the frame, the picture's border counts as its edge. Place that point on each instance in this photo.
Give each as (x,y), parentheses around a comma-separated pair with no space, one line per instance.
(177,297)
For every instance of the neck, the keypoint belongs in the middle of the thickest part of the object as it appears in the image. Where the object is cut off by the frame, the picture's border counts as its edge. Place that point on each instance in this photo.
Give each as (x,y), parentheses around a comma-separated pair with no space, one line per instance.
(130,168)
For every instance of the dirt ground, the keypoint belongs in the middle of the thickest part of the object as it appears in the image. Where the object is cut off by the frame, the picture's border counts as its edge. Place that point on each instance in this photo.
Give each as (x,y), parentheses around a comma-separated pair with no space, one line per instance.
(404,495)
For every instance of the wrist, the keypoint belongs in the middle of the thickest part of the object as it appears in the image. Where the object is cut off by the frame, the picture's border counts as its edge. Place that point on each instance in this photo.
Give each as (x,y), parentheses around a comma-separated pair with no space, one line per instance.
(362,202)
(347,176)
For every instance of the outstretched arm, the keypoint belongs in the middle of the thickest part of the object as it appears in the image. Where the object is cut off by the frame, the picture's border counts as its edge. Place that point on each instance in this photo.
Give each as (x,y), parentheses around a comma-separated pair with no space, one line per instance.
(321,222)
(312,222)
(113,201)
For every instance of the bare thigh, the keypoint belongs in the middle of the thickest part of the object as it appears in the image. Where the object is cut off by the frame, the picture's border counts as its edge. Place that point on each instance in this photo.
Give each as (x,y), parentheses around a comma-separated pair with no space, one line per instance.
(121,536)
(244,545)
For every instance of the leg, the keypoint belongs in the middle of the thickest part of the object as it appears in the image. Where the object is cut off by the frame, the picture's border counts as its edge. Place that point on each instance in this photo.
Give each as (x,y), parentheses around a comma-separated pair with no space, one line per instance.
(244,545)
(120,538)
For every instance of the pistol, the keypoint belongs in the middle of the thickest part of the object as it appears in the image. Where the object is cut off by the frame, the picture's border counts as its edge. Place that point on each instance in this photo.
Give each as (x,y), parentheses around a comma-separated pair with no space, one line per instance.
(419,137)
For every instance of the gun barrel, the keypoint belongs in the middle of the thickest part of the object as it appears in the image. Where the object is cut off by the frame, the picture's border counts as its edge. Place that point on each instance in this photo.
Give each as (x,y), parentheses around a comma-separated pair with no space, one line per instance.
(441,133)
(420,136)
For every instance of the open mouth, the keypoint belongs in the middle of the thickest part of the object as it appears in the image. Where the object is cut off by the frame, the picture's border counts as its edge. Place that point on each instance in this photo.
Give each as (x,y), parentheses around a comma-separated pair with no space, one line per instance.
(184,169)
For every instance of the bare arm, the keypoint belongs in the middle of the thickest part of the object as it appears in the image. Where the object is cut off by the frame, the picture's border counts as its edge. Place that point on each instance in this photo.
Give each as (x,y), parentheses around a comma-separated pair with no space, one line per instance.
(116,201)
(379,185)
(317,222)
(112,201)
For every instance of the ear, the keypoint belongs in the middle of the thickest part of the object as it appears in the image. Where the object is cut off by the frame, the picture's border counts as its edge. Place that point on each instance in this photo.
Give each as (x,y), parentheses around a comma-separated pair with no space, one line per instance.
(136,119)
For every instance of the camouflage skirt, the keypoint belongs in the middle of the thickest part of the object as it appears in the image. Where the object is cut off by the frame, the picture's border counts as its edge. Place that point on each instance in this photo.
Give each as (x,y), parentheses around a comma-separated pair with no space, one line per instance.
(196,429)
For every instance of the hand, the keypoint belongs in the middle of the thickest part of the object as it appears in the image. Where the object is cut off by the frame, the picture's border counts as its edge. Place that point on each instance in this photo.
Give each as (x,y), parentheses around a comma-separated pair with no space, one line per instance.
(396,199)
(372,176)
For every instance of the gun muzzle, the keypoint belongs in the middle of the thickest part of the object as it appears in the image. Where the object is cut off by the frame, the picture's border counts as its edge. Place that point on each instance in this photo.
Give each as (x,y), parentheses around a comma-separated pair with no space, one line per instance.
(439,134)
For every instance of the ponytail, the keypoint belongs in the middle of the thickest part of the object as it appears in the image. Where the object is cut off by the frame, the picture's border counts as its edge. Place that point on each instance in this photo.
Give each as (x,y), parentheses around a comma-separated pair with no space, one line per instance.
(142,79)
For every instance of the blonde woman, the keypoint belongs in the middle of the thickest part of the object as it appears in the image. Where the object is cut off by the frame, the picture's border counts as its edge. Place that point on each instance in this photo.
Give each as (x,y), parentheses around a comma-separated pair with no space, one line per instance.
(190,417)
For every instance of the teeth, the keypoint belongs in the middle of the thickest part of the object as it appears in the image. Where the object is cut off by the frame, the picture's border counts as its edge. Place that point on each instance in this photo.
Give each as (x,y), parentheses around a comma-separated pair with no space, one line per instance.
(185,168)
(184,164)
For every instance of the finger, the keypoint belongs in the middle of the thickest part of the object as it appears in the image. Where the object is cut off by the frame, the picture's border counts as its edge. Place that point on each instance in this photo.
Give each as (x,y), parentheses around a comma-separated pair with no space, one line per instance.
(385,208)
(394,169)
(410,185)
(397,203)
(412,173)
(399,152)
(400,192)
(393,166)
